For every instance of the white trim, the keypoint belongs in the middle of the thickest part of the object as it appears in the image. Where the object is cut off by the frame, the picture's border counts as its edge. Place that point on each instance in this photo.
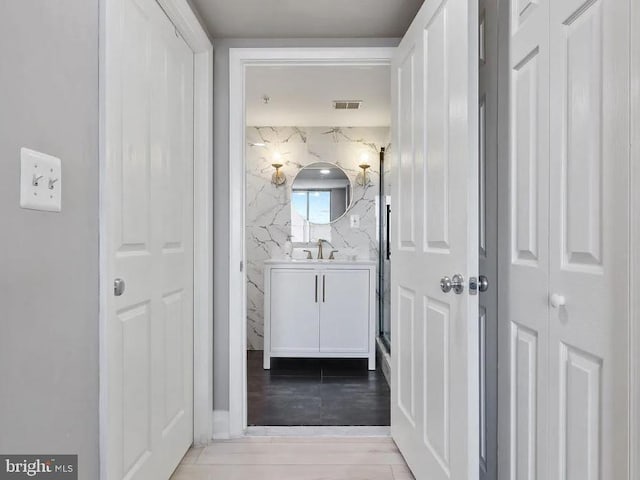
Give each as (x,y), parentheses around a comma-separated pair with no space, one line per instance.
(203,248)
(183,17)
(239,59)
(220,424)
(634,352)
(103,260)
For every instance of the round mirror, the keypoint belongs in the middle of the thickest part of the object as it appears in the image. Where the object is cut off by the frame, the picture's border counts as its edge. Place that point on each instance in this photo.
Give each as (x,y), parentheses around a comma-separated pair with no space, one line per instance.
(320,194)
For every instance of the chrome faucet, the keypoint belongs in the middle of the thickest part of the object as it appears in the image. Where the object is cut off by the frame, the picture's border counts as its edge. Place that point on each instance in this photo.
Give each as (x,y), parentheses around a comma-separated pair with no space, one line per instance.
(320,242)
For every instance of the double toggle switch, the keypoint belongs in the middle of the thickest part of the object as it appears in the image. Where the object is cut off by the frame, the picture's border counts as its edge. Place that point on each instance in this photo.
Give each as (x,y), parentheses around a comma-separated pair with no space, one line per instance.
(40,181)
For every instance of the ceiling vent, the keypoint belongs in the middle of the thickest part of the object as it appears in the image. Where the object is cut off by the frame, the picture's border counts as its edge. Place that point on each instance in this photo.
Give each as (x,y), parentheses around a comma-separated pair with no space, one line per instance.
(347,104)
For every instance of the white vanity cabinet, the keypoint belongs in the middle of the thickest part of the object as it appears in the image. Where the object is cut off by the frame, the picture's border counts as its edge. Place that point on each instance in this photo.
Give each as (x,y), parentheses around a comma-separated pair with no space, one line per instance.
(319,309)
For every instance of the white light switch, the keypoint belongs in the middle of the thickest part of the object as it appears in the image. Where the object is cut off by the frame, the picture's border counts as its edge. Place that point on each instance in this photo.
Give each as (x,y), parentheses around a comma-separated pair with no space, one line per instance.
(40,181)
(355,221)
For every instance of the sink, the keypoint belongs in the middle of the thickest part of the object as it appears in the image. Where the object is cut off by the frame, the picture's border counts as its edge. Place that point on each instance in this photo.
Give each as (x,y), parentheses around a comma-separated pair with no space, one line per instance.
(347,255)
(312,260)
(315,261)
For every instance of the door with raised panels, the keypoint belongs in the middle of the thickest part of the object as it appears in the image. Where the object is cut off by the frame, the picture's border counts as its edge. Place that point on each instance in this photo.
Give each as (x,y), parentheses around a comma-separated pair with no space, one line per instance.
(148,207)
(526,280)
(589,239)
(435,351)
(567,280)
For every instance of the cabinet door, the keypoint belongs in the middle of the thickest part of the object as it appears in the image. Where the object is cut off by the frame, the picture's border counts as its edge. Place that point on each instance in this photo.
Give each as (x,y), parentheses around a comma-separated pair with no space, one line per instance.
(344,311)
(295,296)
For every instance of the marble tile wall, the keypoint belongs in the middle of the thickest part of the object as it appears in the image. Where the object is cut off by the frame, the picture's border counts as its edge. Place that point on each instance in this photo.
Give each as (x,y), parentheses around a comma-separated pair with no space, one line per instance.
(268,208)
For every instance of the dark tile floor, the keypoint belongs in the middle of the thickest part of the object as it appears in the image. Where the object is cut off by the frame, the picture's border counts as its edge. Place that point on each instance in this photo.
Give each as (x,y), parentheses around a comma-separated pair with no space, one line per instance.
(309,391)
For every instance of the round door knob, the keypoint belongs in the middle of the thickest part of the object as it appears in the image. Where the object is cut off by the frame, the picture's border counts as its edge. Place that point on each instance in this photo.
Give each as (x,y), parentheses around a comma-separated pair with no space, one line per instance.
(457,283)
(557,301)
(483,283)
(445,284)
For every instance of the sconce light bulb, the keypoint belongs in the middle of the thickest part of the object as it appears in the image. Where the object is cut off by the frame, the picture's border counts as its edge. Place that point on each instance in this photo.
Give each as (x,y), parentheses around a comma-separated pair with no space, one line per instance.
(278,178)
(362,178)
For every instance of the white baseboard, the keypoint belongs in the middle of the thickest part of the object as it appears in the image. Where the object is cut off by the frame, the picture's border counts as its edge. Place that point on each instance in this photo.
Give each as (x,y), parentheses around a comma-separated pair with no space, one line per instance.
(221,424)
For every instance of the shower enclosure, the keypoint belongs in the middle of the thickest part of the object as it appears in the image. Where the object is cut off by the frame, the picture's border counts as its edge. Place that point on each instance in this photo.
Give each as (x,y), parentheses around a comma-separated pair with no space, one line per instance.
(384,253)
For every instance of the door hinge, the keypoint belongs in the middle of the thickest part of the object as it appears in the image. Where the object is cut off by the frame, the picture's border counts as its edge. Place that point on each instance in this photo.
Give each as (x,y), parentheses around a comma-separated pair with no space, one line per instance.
(241,265)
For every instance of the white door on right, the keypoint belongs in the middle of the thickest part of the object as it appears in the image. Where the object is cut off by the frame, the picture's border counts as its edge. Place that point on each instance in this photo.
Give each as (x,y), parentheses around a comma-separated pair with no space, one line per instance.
(589,239)
(568,274)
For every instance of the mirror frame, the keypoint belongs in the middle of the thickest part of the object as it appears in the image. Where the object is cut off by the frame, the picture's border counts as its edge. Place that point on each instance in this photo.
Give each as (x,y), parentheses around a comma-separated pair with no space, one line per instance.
(351,186)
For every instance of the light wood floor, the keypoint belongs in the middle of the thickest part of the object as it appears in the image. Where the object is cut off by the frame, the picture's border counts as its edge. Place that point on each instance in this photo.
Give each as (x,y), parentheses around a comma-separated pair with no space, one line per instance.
(296,458)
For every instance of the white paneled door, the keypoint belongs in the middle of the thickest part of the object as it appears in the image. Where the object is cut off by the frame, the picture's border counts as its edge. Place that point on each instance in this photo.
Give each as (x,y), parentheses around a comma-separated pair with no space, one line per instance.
(435,387)
(527,280)
(589,239)
(568,288)
(148,207)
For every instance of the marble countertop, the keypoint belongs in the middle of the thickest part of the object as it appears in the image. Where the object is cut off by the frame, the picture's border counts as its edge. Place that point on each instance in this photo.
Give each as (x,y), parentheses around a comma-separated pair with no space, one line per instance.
(311,262)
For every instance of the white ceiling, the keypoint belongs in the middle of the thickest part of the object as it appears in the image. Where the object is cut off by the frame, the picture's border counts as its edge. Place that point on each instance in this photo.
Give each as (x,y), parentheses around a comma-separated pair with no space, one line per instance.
(303,96)
(306,18)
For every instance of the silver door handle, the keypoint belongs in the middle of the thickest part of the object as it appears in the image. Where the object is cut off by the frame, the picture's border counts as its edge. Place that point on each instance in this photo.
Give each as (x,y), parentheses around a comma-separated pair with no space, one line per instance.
(478,284)
(483,283)
(118,287)
(456,284)
(324,288)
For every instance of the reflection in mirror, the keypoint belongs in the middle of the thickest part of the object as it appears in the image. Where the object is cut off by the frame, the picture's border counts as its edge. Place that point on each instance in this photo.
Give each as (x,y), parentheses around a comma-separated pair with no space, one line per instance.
(320,195)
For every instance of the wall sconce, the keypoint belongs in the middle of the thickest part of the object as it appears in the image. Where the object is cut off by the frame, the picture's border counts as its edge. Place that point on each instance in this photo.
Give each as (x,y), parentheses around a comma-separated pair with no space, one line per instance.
(362,178)
(278,178)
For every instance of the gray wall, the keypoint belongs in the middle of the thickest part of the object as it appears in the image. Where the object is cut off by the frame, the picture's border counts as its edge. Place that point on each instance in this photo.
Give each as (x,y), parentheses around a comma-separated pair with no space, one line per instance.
(221,188)
(49,261)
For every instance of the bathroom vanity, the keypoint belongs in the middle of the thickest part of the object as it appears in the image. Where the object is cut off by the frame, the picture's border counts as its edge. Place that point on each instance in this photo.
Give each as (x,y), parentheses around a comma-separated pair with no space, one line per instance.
(319,309)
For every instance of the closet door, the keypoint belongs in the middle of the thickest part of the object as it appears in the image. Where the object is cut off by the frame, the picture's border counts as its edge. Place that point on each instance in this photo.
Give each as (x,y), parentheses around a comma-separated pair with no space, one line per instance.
(147,243)
(527,274)
(589,235)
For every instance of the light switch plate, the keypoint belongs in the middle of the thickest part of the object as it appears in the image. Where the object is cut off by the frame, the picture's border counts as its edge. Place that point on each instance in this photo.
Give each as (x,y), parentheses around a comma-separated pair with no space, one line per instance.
(40,181)
(355,221)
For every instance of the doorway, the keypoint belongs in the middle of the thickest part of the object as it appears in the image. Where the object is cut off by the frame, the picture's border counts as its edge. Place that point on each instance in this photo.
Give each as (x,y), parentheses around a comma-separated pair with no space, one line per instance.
(240,62)
(314,138)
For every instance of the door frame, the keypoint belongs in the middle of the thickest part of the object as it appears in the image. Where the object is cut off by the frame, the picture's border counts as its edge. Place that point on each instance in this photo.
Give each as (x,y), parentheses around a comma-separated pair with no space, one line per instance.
(189,27)
(634,351)
(239,60)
